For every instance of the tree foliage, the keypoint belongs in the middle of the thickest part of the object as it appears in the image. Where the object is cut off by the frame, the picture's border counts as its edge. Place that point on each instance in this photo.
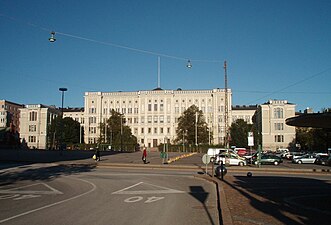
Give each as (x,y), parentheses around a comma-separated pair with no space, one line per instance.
(239,133)
(313,139)
(116,133)
(63,131)
(186,129)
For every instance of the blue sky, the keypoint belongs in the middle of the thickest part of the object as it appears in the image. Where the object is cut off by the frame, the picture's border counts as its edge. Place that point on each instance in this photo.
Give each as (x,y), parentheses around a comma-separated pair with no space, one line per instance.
(274,49)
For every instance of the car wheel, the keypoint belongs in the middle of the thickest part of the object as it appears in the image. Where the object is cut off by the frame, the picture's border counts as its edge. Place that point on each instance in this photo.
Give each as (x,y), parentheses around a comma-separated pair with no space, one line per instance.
(241,164)
(276,163)
(299,162)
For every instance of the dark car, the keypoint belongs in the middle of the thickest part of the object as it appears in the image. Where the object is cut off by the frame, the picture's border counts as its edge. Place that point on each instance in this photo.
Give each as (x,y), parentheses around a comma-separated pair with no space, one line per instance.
(321,159)
(269,159)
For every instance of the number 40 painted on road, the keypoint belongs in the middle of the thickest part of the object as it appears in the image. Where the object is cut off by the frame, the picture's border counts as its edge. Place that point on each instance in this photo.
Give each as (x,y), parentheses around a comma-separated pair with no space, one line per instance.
(139,198)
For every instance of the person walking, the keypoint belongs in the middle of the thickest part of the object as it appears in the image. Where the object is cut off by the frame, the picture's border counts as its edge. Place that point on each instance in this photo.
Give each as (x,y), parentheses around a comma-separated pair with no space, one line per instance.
(97,154)
(144,157)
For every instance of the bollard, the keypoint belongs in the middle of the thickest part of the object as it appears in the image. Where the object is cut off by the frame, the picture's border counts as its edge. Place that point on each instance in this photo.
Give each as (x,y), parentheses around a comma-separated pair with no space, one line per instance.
(221,171)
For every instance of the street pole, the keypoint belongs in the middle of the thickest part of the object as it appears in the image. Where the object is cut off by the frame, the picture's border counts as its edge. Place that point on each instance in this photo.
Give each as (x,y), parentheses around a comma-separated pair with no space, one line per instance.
(196,129)
(121,132)
(62,132)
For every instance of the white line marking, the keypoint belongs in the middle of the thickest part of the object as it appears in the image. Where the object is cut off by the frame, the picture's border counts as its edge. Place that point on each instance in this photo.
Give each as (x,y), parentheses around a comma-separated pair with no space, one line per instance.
(116,192)
(163,190)
(18,190)
(53,204)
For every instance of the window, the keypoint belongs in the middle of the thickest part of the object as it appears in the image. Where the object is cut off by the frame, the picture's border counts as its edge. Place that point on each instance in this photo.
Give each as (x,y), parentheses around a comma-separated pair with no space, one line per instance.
(155,119)
(123,110)
(279,138)
(149,130)
(142,130)
(279,126)
(155,107)
(278,113)
(155,130)
(149,107)
(161,130)
(149,119)
(168,119)
(32,128)
(142,119)
(32,139)
(161,119)
(130,110)
(161,107)
(136,110)
(176,109)
(33,116)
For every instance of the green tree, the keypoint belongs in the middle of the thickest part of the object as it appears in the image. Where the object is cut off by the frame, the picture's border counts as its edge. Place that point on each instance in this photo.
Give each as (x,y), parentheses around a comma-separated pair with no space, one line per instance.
(187,127)
(116,133)
(313,139)
(63,131)
(239,132)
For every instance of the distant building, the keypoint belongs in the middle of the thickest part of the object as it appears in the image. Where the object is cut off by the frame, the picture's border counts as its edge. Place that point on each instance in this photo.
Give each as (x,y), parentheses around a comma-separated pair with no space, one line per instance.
(244,112)
(34,121)
(270,121)
(76,114)
(153,115)
(10,114)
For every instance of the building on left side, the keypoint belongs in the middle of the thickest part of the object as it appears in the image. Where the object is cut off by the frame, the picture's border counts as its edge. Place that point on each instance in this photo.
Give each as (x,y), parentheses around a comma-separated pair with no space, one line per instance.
(10,114)
(34,121)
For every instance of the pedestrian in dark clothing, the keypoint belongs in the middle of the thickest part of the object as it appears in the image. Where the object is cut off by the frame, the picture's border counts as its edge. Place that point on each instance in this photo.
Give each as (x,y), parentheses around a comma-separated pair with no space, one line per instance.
(144,157)
(97,154)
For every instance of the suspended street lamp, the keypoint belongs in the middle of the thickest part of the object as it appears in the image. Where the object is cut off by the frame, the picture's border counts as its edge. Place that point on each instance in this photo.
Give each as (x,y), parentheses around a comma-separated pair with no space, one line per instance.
(52,38)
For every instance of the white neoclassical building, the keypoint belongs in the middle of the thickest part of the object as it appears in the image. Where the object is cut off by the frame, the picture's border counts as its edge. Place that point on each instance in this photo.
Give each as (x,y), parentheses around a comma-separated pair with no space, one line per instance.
(153,115)
(270,121)
(34,121)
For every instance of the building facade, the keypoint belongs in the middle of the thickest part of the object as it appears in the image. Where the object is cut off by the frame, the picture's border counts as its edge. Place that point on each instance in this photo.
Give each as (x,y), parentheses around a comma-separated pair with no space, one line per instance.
(153,115)
(10,114)
(76,114)
(270,121)
(244,112)
(34,120)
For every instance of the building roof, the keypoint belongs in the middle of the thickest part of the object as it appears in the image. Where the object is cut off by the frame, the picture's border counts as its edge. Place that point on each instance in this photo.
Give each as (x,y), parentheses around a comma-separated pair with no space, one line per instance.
(75,109)
(315,120)
(244,107)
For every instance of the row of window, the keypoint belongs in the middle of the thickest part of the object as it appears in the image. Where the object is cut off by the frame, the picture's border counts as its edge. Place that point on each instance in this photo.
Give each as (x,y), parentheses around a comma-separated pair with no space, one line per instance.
(279,138)
(153,108)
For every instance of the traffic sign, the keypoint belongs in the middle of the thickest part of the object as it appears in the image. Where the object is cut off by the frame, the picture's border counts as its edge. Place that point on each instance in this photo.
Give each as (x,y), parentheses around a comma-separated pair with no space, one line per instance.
(206,159)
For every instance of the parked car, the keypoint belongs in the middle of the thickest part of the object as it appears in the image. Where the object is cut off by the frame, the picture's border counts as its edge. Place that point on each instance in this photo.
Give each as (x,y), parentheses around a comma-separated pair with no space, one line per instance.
(240,151)
(293,155)
(321,159)
(268,159)
(231,159)
(304,159)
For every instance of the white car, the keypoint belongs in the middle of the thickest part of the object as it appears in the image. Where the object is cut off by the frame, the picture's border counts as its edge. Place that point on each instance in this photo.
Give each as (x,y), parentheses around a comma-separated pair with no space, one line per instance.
(231,159)
(304,159)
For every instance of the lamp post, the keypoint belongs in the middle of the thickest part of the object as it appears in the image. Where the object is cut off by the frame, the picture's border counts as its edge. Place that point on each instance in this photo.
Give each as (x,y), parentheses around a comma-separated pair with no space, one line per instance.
(62,90)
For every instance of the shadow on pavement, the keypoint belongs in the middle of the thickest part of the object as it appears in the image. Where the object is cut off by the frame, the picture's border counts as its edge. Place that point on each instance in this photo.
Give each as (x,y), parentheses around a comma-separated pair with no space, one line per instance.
(41,173)
(278,200)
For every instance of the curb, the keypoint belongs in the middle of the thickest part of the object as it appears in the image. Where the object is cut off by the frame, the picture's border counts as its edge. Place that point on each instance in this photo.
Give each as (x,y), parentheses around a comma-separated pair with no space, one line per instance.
(224,213)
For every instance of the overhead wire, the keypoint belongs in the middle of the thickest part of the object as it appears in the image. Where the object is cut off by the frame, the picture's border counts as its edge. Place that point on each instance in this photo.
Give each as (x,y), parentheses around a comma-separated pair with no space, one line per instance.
(158,54)
(110,43)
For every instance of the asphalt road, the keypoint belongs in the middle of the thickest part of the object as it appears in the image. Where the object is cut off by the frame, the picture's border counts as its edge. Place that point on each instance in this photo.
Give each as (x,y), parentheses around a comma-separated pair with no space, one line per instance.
(52,194)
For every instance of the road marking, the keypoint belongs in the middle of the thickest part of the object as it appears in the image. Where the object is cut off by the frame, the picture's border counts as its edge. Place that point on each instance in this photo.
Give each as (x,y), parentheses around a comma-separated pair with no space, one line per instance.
(22,190)
(53,204)
(160,190)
